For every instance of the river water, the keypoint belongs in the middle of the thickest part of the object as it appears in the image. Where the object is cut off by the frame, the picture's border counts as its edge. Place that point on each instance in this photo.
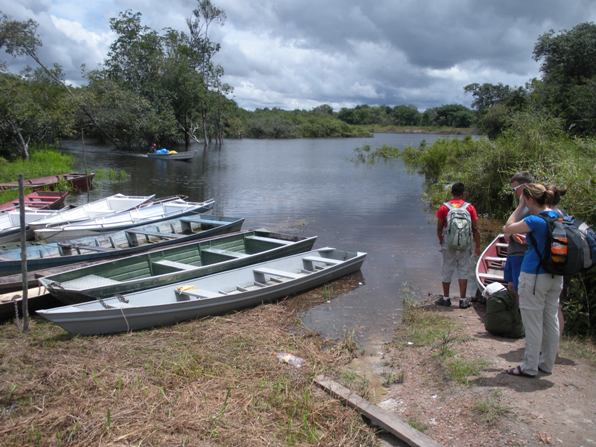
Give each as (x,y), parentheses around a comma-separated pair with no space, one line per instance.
(310,187)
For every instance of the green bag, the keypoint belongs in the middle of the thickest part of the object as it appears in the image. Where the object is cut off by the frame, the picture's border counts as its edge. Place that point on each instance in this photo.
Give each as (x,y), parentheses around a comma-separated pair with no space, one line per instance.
(502,316)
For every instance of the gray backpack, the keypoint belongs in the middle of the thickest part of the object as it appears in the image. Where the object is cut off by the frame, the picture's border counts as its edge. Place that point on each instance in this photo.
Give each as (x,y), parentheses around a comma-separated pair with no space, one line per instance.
(459,227)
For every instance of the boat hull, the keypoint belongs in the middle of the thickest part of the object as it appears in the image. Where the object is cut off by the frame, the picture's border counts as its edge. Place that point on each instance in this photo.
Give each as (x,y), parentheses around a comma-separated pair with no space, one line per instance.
(125,319)
(491,264)
(52,257)
(96,281)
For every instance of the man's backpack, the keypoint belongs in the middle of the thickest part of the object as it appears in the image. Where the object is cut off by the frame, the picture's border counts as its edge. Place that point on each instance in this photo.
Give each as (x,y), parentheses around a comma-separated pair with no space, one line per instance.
(565,248)
(459,227)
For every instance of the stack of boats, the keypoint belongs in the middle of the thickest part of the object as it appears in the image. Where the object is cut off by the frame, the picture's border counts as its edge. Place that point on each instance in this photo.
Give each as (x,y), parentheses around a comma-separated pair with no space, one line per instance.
(161,261)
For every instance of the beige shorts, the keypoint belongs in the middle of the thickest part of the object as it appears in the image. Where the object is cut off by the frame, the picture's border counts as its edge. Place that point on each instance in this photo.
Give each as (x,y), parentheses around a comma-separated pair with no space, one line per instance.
(457,262)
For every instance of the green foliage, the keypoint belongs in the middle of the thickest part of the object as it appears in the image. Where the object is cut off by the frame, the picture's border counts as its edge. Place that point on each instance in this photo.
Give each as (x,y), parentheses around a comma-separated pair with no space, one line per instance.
(277,123)
(534,143)
(569,76)
(111,175)
(364,154)
(43,161)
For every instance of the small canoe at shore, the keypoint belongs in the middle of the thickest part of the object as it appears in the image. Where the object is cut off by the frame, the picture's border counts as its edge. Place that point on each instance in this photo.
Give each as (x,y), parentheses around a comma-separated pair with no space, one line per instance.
(179,156)
(98,208)
(79,182)
(140,215)
(491,264)
(10,223)
(211,295)
(43,200)
(171,265)
(106,246)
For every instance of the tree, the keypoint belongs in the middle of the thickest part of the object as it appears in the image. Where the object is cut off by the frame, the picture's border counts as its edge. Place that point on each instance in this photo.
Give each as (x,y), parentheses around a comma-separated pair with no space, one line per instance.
(403,115)
(569,75)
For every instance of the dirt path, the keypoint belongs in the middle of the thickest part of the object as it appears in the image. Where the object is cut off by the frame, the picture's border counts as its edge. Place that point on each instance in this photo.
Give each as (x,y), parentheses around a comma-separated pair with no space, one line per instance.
(491,408)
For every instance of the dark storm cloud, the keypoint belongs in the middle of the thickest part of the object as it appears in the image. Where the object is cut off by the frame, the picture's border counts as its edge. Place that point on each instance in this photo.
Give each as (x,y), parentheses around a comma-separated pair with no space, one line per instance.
(301,53)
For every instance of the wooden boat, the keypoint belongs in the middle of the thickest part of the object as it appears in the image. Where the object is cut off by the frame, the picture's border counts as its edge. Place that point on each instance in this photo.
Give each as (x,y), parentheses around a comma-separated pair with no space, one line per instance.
(141,215)
(43,200)
(179,156)
(10,223)
(79,182)
(92,210)
(171,265)
(213,294)
(106,246)
(491,264)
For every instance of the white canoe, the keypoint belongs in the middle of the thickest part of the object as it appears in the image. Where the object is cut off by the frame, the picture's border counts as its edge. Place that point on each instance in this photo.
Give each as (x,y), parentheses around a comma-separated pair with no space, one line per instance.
(92,210)
(210,295)
(10,223)
(142,215)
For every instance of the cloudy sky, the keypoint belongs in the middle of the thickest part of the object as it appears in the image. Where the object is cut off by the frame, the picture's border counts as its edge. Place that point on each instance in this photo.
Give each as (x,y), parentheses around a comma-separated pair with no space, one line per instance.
(303,53)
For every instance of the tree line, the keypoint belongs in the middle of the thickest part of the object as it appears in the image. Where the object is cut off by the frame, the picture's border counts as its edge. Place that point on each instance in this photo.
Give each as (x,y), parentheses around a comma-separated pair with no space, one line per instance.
(165,87)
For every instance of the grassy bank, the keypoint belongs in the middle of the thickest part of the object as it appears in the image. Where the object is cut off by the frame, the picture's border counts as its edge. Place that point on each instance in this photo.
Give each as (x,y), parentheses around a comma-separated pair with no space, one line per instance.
(442,130)
(41,163)
(216,381)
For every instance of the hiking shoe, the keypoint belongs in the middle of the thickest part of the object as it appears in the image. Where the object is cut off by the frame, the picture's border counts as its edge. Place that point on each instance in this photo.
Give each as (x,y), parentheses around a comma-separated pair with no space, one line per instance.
(464,303)
(443,302)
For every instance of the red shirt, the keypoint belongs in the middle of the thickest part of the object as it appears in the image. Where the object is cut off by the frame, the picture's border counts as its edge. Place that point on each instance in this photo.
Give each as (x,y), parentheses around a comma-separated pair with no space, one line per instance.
(443,211)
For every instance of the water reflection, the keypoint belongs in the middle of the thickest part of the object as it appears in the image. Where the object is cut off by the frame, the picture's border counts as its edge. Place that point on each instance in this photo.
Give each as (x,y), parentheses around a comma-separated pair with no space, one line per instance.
(311,187)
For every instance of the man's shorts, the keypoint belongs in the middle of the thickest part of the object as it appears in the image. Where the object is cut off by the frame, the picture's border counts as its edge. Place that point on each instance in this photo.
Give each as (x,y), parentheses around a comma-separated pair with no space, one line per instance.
(457,262)
(513,269)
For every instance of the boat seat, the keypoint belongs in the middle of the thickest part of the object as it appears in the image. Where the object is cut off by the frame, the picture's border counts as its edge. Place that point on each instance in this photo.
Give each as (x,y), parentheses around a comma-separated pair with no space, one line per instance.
(262,271)
(88,282)
(329,261)
(174,265)
(232,254)
(200,220)
(491,276)
(269,239)
(183,295)
(156,234)
(495,258)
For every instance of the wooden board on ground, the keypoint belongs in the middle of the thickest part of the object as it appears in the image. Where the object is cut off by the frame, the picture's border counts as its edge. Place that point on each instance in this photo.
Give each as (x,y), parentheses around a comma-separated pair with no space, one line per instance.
(380,417)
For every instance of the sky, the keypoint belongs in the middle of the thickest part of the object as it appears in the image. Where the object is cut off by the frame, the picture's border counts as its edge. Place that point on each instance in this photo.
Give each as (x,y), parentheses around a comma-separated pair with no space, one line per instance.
(298,54)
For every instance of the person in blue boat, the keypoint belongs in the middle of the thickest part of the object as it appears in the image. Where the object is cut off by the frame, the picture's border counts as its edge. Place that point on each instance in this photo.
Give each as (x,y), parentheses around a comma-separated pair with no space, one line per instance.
(538,290)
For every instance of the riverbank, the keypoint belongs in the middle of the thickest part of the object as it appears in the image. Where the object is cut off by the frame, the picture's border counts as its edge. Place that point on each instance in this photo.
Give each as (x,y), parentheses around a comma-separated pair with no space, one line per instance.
(444,374)
(216,381)
(440,130)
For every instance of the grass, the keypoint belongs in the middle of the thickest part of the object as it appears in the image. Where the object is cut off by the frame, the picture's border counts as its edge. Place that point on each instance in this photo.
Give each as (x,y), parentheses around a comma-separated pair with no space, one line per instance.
(216,380)
(491,409)
(423,327)
(42,162)
(111,175)
(418,425)
(460,369)
(583,348)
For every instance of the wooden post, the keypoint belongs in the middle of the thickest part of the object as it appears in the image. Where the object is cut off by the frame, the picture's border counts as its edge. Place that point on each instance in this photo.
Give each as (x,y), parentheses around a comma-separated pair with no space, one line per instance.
(25,300)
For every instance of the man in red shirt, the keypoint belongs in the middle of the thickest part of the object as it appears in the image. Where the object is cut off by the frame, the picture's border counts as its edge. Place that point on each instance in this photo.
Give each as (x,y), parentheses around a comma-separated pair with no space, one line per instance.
(456,259)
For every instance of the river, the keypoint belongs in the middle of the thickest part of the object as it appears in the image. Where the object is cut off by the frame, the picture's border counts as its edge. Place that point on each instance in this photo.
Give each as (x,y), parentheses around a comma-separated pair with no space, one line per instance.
(310,187)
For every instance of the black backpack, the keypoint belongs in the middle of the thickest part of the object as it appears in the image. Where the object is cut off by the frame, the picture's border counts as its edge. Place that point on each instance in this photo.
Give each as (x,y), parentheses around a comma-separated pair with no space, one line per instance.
(563,251)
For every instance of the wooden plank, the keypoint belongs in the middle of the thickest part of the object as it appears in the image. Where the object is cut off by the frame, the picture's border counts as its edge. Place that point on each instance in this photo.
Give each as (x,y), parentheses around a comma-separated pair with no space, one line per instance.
(383,418)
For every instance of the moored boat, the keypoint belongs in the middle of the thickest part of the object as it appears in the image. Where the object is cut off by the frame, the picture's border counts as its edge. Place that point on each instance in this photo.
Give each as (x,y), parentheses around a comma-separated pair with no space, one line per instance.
(210,295)
(179,156)
(10,223)
(171,265)
(43,200)
(98,208)
(79,182)
(117,244)
(491,263)
(141,215)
